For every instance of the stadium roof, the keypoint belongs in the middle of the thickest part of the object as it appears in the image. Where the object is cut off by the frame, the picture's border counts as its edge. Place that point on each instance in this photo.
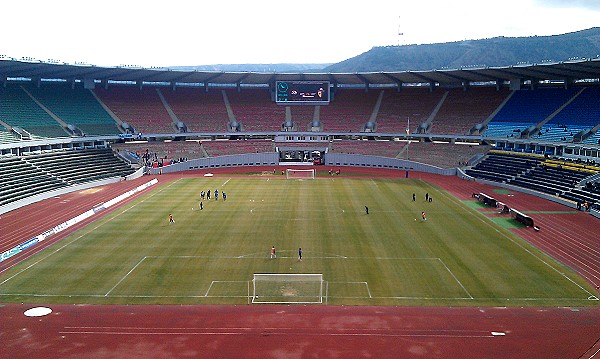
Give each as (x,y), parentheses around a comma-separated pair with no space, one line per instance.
(560,71)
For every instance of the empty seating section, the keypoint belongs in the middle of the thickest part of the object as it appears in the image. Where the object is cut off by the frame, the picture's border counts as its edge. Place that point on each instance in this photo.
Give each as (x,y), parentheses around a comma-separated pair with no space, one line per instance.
(19,110)
(582,112)
(201,111)
(75,106)
(349,111)
(21,179)
(533,106)
(81,166)
(594,139)
(550,179)
(590,193)
(556,177)
(370,148)
(464,109)
(142,109)
(7,137)
(302,116)
(501,167)
(412,105)
(233,147)
(255,110)
(526,108)
(444,155)
(505,129)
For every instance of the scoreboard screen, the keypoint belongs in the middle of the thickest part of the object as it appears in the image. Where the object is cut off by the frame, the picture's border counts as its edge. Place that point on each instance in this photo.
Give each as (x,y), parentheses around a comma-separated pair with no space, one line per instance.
(307,92)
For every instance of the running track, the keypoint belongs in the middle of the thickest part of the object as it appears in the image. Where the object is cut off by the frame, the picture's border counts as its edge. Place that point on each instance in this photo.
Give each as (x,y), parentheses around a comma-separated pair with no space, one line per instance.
(87,331)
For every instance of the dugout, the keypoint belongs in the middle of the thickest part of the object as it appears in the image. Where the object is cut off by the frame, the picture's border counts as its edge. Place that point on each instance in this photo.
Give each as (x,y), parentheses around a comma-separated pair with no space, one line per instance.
(521,217)
(482,197)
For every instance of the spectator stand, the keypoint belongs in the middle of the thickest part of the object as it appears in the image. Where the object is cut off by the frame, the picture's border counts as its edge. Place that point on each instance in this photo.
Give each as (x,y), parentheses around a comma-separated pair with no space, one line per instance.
(408,108)
(350,110)
(18,109)
(141,108)
(255,110)
(200,110)
(463,109)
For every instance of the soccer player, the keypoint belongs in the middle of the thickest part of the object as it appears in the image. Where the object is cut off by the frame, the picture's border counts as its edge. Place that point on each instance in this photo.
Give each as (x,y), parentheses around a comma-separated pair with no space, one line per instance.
(202,194)
(427,197)
(201,206)
(273,255)
(423,216)
(216,195)
(171,220)
(224,196)
(208,194)
(414,197)
(367,209)
(299,254)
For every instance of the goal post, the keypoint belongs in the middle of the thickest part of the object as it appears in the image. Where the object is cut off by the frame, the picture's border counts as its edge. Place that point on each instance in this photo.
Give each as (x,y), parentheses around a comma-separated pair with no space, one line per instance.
(287,288)
(291,173)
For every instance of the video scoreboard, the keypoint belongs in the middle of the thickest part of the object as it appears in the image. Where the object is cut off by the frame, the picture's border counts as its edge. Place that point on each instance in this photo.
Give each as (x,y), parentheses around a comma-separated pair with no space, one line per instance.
(302,92)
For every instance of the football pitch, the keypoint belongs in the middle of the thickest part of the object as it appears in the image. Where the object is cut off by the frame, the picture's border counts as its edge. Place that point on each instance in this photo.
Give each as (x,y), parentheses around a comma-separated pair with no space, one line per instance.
(390,256)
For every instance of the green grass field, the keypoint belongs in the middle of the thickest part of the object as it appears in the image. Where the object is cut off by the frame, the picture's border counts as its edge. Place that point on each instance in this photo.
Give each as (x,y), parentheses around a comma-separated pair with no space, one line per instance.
(456,257)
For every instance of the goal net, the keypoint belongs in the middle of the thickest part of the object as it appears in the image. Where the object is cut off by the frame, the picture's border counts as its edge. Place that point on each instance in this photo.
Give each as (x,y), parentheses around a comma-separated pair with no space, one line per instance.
(299,174)
(287,288)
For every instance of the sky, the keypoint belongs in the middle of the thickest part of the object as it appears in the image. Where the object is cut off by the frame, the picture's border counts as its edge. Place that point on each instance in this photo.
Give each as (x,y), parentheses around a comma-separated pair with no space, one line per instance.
(201,32)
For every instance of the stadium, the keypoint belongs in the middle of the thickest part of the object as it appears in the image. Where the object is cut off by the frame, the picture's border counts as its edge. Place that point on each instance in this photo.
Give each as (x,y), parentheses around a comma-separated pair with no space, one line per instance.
(443,213)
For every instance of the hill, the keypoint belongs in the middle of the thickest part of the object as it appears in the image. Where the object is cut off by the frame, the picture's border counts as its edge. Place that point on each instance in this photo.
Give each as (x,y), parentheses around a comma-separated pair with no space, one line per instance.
(498,51)
(254,67)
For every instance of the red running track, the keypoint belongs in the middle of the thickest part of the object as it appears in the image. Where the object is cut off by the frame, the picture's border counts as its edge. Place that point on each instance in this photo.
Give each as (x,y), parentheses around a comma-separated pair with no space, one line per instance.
(257,331)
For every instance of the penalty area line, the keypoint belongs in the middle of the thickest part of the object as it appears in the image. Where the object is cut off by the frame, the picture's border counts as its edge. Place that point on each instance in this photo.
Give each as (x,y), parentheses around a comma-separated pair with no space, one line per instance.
(125,276)
(456,279)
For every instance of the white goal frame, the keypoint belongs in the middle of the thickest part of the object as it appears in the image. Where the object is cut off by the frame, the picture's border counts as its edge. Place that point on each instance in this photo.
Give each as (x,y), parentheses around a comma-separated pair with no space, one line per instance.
(292,173)
(275,288)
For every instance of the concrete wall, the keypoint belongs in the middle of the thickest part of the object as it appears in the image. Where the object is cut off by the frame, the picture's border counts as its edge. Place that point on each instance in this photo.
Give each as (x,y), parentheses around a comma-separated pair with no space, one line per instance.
(341,159)
(252,159)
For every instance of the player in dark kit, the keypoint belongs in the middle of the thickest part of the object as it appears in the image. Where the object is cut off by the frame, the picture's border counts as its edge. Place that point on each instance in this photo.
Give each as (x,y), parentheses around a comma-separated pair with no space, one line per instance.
(366,209)
(299,254)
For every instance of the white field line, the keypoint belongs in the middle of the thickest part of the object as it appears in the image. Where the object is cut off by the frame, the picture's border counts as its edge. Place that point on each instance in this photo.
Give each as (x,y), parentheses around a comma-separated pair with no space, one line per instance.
(125,276)
(456,279)
(365,283)
(489,223)
(223,281)
(224,183)
(84,234)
